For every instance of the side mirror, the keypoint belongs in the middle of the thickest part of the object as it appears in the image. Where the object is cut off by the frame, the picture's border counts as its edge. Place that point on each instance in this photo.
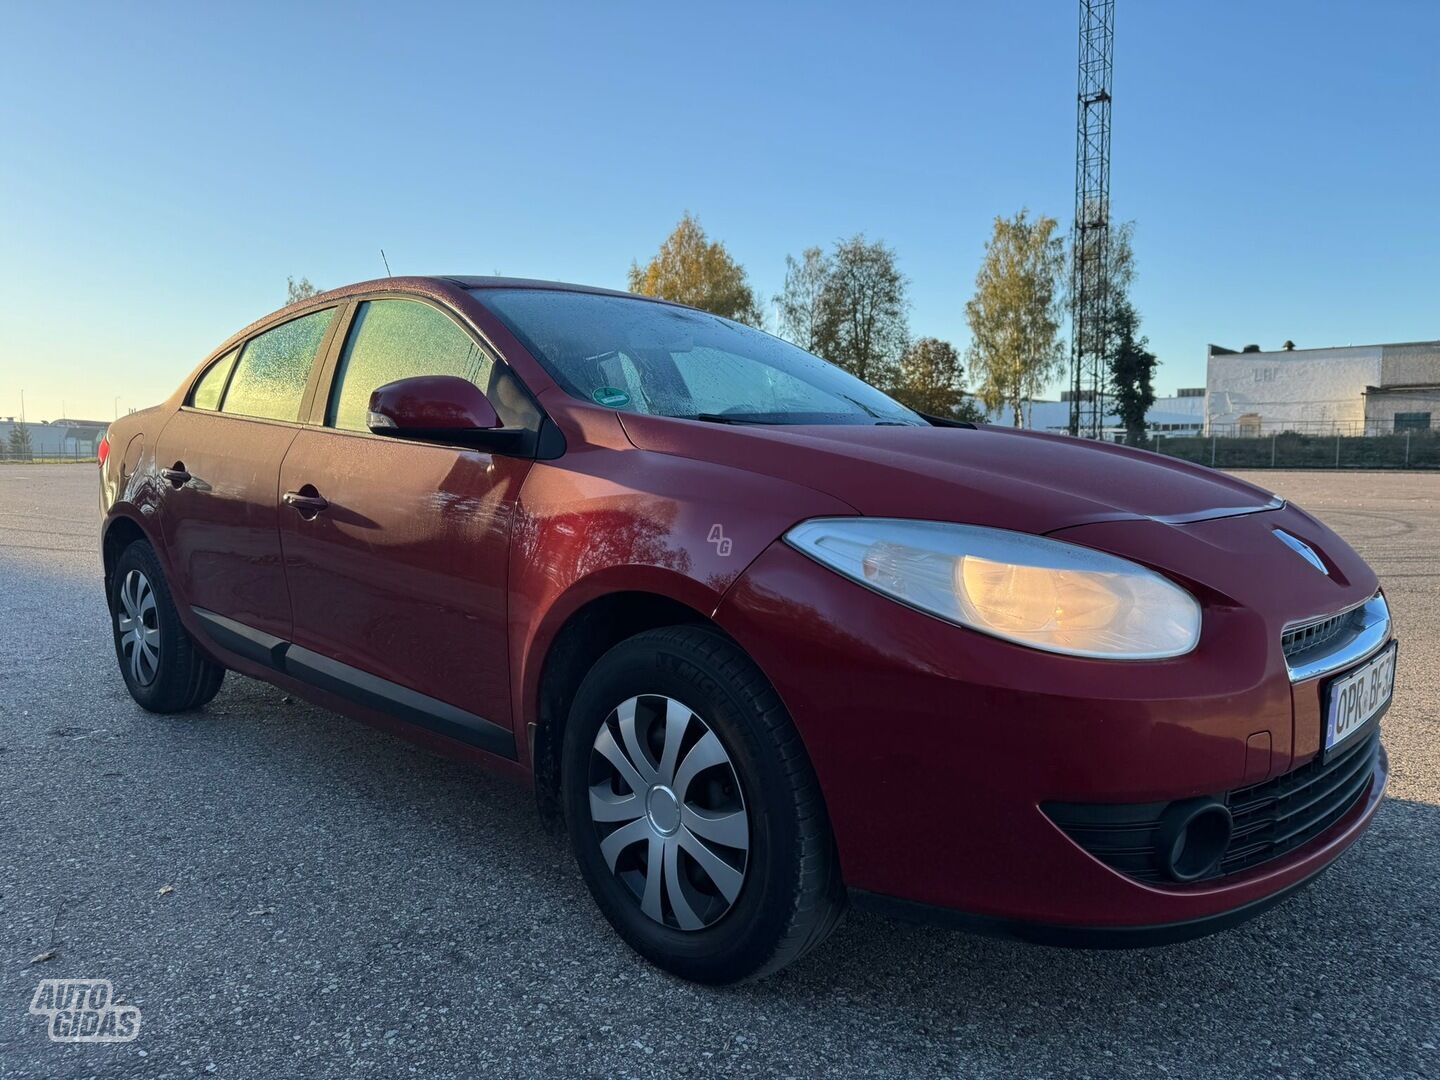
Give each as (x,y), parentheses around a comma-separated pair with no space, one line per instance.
(439,407)
(453,411)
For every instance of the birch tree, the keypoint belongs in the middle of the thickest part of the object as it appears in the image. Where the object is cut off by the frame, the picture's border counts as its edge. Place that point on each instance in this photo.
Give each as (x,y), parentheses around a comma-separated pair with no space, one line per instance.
(1016,312)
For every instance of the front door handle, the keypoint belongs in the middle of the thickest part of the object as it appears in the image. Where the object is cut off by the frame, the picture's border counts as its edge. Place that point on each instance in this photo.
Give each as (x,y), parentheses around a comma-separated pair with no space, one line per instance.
(307,501)
(177,475)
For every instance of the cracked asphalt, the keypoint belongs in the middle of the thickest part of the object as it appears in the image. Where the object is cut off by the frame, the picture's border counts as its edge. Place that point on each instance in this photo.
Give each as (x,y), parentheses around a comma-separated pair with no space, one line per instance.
(283,892)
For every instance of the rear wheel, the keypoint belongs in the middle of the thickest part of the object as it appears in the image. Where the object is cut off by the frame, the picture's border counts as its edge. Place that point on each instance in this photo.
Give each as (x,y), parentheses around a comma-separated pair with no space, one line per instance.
(693,810)
(163,669)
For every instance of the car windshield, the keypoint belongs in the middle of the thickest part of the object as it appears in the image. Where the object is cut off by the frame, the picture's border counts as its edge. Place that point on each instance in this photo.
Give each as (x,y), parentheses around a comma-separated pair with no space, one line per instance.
(639,356)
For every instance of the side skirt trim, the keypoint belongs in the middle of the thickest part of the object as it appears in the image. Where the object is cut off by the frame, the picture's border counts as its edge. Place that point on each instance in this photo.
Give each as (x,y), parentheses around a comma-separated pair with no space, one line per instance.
(358,686)
(245,640)
(376,693)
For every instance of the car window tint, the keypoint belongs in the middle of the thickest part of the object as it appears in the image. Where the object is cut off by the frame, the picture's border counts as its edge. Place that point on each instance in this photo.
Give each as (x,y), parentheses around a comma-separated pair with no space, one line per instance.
(206,394)
(637,355)
(270,379)
(396,339)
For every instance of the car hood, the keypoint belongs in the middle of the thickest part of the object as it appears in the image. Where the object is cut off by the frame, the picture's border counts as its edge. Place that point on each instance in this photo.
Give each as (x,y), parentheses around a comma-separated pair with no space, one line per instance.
(987,475)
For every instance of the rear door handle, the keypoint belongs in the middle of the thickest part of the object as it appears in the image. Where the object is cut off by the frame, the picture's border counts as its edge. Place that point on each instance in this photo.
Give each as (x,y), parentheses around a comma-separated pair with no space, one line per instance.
(177,475)
(307,505)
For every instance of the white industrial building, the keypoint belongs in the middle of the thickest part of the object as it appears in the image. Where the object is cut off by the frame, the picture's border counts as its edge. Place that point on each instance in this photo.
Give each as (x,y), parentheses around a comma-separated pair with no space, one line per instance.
(1181,414)
(1351,390)
(1354,390)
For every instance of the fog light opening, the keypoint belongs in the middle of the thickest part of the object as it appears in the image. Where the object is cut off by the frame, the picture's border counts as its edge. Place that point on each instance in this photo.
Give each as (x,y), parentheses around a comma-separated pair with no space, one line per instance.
(1193,837)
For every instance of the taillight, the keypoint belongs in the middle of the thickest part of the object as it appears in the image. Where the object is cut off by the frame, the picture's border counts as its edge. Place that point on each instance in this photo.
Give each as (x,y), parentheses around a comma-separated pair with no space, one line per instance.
(103,450)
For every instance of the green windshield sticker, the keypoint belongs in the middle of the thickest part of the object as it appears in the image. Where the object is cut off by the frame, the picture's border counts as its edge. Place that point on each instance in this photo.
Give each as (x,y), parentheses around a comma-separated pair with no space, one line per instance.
(612,397)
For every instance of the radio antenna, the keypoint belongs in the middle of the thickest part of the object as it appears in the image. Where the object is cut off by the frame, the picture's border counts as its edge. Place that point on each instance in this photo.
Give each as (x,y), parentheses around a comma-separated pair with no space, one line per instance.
(386,262)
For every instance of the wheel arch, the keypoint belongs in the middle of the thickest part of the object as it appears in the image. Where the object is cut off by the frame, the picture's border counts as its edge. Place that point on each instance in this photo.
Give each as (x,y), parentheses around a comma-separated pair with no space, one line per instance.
(120,532)
(587,634)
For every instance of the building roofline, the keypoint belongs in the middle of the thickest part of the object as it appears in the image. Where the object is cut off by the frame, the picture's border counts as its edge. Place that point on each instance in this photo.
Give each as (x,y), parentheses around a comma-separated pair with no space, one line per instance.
(1400,388)
(1220,350)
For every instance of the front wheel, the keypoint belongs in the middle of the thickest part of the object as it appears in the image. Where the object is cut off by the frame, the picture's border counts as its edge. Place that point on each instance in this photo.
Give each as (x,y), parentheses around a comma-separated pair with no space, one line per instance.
(693,809)
(163,669)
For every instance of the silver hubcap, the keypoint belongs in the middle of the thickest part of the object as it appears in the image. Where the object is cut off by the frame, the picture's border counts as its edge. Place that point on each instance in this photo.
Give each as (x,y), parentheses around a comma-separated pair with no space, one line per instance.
(668,810)
(138,624)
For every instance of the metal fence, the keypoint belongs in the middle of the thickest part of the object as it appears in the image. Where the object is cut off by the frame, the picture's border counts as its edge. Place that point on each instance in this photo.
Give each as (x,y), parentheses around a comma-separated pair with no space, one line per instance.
(1419,449)
(1256,428)
(1296,450)
(41,455)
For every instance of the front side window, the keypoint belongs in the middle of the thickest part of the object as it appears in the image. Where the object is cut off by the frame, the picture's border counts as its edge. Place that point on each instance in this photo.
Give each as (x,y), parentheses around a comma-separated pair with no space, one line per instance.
(398,339)
(269,381)
(206,394)
(639,356)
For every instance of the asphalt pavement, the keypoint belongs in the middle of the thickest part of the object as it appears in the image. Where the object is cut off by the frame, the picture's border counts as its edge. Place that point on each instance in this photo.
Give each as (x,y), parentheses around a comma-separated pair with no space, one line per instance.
(283,892)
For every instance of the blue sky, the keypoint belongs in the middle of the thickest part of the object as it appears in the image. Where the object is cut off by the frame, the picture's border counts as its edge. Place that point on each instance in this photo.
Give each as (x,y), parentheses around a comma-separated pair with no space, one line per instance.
(163,169)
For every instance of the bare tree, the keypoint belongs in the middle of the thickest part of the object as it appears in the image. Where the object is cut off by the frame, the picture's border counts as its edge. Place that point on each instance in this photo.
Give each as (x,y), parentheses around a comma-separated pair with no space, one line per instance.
(295,291)
(863,308)
(801,301)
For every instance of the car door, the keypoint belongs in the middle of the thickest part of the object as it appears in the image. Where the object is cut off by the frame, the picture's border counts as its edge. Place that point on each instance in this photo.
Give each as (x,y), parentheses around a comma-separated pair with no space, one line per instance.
(220,458)
(396,550)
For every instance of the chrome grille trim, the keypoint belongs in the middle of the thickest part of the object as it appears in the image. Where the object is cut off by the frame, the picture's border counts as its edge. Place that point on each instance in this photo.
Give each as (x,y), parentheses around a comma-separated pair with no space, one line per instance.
(1318,646)
(1300,639)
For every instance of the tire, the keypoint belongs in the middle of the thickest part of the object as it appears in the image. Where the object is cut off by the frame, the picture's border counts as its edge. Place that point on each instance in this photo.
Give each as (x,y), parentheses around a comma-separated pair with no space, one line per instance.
(170,674)
(762,800)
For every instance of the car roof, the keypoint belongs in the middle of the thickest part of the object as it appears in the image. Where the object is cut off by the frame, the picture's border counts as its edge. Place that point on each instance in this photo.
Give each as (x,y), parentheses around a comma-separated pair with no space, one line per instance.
(430,283)
(468,282)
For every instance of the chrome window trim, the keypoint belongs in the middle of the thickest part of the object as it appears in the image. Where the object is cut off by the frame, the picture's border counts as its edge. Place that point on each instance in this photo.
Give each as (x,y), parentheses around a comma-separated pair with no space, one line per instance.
(1370,630)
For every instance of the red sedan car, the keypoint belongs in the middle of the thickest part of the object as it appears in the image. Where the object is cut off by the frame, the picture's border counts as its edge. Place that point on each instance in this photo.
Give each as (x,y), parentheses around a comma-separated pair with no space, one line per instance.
(765,640)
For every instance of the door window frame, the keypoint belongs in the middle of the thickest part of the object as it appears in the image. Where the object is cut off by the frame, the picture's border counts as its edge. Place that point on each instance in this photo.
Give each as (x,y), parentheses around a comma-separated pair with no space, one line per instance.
(233,355)
(317,365)
(320,406)
(325,386)
(316,400)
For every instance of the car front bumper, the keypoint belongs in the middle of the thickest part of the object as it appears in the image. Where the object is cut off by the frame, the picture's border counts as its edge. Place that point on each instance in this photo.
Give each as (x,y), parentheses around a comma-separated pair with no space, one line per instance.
(937,747)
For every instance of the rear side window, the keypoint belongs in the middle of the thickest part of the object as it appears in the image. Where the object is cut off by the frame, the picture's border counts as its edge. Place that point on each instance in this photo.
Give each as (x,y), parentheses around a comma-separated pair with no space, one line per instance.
(206,394)
(396,339)
(269,380)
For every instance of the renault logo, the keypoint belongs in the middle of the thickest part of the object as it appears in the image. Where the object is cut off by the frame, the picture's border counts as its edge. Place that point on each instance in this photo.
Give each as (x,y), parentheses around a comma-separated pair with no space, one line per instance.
(1304,550)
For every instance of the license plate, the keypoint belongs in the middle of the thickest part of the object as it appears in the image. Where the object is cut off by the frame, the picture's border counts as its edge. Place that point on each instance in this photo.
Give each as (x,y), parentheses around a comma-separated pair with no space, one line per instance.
(1358,696)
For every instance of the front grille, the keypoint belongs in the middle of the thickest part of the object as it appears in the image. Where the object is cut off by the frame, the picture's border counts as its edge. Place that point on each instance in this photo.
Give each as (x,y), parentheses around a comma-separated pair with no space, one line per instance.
(1330,642)
(1298,639)
(1281,814)
(1270,819)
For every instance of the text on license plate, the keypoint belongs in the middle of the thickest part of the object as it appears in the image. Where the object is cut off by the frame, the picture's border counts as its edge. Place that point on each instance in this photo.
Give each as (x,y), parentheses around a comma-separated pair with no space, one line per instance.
(1356,697)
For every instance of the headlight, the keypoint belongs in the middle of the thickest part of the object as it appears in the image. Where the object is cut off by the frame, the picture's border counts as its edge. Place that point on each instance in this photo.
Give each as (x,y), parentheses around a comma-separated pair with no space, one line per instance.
(1042,593)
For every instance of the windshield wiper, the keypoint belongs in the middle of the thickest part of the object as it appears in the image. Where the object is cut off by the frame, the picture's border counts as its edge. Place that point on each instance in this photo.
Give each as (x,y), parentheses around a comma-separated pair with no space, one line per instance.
(733,418)
(727,418)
